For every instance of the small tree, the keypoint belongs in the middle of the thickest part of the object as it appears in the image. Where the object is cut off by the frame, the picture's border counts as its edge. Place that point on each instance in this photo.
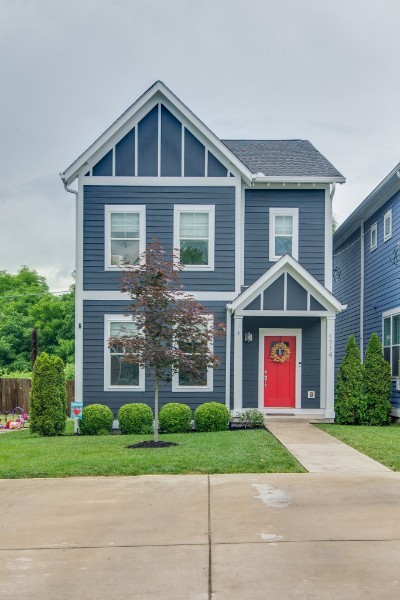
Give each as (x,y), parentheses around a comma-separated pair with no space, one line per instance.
(377,384)
(172,330)
(48,396)
(349,386)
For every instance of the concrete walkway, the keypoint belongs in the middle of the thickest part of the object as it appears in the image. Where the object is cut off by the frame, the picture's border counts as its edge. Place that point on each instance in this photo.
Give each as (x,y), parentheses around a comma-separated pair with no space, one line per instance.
(223,537)
(318,451)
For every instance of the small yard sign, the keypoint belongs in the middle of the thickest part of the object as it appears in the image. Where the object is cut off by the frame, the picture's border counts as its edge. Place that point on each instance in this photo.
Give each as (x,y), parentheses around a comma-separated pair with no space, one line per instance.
(76,410)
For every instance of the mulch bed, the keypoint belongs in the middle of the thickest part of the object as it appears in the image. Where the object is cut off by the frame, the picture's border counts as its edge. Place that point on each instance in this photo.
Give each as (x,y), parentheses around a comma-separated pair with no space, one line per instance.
(152,444)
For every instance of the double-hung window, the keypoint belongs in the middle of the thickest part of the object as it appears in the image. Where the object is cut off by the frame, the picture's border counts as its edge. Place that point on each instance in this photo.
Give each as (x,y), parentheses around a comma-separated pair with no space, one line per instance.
(373,237)
(387,226)
(194,236)
(283,233)
(119,374)
(184,383)
(125,235)
(391,340)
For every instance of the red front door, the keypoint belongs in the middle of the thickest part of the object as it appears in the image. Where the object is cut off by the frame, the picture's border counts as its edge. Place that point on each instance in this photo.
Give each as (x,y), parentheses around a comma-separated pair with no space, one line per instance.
(279,378)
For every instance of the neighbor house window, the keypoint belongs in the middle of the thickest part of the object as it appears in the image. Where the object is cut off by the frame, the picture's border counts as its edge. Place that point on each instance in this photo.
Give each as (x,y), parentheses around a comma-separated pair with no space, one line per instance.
(194,237)
(387,226)
(119,374)
(184,383)
(391,340)
(125,235)
(283,233)
(374,237)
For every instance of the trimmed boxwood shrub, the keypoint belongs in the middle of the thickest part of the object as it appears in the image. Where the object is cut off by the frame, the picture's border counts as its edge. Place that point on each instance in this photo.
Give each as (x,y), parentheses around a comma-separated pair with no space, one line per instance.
(48,396)
(211,416)
(97,419)
(135,418)
(175,418)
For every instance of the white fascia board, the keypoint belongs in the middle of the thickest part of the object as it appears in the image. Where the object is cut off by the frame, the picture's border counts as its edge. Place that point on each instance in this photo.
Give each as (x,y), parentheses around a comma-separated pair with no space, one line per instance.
(153,95)
(294,179)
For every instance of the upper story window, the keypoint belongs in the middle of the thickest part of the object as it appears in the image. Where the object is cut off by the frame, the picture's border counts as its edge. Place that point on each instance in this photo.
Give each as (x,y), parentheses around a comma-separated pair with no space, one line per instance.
(283,233)
(119,374)
(387,226)
(391,340)
(373,237)
(125,235)
(184,383)
(194,236)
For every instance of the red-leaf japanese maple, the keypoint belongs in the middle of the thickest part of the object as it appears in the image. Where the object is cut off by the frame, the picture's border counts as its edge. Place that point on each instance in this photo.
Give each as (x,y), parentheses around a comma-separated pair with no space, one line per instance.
(174,331)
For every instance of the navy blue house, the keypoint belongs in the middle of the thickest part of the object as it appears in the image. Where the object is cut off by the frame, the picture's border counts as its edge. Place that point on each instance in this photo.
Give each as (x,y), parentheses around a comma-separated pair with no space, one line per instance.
(367,275)
(252,221)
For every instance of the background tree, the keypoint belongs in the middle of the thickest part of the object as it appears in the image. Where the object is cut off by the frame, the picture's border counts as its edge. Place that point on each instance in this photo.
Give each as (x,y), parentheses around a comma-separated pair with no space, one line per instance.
(377,384)
(172,332)
(349,386)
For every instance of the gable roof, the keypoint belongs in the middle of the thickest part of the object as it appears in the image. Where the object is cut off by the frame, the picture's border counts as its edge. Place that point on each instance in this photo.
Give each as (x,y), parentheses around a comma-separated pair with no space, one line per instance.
(389,186)
(275,158)
(289,265)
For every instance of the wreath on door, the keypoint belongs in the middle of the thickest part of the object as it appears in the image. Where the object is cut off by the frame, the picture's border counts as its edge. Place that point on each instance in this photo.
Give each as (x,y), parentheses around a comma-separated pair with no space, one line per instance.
(280,352)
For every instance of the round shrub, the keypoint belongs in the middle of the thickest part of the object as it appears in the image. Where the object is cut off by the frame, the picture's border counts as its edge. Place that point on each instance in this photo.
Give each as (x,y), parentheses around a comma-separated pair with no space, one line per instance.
(211,416)
(97,419)
(135,418)
(175,418)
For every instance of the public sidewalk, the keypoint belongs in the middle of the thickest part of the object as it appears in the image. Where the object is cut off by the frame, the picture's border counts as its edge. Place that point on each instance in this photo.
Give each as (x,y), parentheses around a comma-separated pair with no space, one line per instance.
(317,451)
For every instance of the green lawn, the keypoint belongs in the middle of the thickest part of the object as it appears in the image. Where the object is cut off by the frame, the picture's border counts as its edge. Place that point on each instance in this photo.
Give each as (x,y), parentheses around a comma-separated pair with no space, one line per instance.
(251,451)
(380,443)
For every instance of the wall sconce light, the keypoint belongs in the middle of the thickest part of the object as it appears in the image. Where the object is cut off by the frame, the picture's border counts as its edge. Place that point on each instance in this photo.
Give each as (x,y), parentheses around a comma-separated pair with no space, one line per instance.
(248,337)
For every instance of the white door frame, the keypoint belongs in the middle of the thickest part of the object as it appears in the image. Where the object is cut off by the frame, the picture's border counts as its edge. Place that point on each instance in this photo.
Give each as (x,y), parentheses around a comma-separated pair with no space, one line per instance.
(275,332)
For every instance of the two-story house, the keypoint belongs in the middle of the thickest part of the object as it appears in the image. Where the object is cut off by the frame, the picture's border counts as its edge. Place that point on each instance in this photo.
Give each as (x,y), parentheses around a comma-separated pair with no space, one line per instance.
(252,222)
(367,275)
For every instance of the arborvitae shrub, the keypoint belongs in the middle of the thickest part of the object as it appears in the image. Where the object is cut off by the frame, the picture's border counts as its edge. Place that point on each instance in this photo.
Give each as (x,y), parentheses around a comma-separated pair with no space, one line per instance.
(349,386)
(211,416)
(97,419)
(175,418)
(135,418)
(377,384)
(48,396)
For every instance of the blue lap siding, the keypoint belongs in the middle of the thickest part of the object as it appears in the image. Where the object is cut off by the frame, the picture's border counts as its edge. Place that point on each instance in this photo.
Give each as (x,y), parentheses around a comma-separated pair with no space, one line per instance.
(160,203)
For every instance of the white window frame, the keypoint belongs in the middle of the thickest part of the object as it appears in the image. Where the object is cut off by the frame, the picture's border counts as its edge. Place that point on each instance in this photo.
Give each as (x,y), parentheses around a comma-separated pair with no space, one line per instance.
(210,209)
(124,208)
(108,319)
(387,217)
(394,312)
(210,371)
(374,228)
(279,212)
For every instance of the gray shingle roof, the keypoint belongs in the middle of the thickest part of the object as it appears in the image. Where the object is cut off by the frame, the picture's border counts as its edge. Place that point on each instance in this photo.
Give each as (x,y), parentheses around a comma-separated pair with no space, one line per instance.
(274,158)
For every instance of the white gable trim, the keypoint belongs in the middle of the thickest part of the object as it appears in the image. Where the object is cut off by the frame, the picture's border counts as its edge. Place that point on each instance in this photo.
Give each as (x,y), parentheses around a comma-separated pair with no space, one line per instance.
(155,94)
(287,264)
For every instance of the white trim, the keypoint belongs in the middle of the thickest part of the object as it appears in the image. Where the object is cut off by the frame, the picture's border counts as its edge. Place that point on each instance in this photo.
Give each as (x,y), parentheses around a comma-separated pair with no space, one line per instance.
(388,314)
(323,364)
(210,372)
(362,286)
(159,140)
(387,217)
(118,318)
(243,225)
(278,212)
(391,312)
(238,362)
(79,324)
(198,208)
(228,337)
(125,208)
(124,297)
(330,368)
(238,235)
(283,313)
(275,332)
(160,181)
(328,240)
(372,246)
(298,180)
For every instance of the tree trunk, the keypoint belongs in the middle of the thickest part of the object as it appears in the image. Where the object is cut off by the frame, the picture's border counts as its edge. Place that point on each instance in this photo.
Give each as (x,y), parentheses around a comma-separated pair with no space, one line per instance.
(156,410)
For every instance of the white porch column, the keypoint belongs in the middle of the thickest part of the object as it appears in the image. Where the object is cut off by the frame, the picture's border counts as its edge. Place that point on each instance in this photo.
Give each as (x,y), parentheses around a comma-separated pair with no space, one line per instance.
(238,362)
(228,360)
(330,367)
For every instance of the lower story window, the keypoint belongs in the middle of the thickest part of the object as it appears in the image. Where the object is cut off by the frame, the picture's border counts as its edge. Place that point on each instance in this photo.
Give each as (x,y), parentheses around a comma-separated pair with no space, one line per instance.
(182,382)
(391,341)
(119,374)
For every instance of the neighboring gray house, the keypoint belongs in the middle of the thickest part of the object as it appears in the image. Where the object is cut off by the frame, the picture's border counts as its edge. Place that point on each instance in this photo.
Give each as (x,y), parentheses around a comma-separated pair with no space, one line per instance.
(367,275)
(252,221)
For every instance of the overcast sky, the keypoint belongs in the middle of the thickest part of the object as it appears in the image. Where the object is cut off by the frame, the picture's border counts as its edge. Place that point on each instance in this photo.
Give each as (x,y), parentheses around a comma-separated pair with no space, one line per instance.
(323,70)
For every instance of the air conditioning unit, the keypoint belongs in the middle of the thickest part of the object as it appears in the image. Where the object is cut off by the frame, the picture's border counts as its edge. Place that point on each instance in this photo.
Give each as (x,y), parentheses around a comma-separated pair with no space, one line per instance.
(116,260)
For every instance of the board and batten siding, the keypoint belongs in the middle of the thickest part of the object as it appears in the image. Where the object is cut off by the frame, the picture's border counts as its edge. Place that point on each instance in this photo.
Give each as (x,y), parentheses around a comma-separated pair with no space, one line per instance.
(310,366)
(159,202)
(311,205)
(93,363)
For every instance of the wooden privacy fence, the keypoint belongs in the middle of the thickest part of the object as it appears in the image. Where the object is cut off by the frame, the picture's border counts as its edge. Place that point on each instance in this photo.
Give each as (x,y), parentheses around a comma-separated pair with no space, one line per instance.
(15,392)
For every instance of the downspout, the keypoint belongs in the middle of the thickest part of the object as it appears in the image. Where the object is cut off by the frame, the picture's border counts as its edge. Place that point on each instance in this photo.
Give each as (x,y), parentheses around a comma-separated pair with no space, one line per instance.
(362,289)
(228,359)
(333,190)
